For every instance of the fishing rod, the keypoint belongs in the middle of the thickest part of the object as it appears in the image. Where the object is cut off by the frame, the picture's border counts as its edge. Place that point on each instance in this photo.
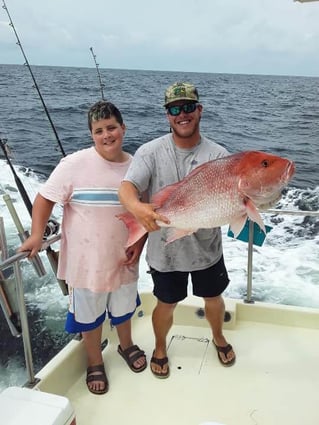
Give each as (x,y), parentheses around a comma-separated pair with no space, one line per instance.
(21,188)
(4,6)
(98,73)
(52,227)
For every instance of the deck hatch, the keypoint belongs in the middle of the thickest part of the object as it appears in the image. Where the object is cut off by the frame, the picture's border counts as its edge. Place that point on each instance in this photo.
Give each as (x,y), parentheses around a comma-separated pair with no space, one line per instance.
(187,354)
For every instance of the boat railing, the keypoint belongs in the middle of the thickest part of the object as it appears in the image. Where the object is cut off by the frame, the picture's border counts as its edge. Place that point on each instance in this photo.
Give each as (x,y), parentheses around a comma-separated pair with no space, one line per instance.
(14,261)
(249,298)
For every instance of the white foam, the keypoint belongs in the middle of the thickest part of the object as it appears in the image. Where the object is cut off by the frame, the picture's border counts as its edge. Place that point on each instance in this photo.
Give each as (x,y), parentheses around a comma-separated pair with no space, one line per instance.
(285,268)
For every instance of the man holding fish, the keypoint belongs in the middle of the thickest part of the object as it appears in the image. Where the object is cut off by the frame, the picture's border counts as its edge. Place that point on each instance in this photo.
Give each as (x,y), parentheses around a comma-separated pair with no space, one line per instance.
(194,186)
(161,162)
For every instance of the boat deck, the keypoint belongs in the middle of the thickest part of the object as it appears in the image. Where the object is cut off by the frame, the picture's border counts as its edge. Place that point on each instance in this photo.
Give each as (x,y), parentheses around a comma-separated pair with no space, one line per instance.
(275,379)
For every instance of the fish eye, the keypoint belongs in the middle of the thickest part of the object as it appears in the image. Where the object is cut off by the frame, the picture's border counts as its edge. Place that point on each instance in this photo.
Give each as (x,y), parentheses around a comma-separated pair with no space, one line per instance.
(265,163)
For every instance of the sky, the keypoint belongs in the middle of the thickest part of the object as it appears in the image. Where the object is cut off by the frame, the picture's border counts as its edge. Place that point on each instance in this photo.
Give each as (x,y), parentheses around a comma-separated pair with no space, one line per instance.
(270,37)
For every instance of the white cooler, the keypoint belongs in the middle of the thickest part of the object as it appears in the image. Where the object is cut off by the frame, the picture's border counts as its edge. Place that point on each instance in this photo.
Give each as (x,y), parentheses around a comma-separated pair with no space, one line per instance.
(24,406)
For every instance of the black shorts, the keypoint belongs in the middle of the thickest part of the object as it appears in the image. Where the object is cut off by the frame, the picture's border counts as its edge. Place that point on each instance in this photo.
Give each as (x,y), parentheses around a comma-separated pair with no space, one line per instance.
(171,287)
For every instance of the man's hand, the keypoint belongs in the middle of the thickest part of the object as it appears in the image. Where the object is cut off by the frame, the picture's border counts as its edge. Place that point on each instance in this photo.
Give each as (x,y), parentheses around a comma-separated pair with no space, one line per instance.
(147,216)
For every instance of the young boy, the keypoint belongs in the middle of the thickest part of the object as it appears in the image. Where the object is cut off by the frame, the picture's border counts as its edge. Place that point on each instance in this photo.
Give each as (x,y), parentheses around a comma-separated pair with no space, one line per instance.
(101,274)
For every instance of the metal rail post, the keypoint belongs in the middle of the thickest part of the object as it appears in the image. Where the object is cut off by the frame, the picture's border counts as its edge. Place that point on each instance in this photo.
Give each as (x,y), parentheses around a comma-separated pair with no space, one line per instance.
(24,323)
(248,298)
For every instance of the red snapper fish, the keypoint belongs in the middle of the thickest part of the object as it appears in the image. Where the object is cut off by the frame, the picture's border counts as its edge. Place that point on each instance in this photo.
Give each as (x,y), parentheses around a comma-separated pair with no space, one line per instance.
(223,191)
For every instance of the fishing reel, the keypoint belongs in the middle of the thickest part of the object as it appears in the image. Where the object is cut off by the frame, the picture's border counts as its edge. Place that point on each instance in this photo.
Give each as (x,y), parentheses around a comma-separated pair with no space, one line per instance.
(52,228)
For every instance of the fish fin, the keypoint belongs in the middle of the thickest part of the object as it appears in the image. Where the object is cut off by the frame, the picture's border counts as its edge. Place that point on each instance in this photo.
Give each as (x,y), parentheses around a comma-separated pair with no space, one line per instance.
(254,215)
(198,169)
(237,225)
(173,234)
(135,229)
(161,196)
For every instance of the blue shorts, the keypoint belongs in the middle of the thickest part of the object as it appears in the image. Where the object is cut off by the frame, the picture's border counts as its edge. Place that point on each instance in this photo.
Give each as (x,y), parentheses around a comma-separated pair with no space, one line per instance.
(171,287)
(88,310)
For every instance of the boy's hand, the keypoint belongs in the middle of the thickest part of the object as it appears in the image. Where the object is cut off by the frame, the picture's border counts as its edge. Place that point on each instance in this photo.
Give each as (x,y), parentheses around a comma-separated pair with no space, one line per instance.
(32,244)
(134,251)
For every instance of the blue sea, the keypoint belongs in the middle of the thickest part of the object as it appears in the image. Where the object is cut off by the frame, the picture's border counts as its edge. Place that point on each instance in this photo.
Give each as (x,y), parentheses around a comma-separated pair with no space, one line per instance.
(277,114)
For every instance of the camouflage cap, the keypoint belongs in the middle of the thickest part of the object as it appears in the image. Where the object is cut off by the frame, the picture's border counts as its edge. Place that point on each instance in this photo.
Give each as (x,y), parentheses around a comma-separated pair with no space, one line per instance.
(181,91)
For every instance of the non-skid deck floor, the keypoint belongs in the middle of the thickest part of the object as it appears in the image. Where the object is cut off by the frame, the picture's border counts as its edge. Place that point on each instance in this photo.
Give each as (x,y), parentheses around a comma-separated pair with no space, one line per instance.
(275,380)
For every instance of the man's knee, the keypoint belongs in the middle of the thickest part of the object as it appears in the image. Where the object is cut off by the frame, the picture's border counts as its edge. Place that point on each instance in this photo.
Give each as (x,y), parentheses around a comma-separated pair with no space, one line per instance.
(165,306)
(214,301)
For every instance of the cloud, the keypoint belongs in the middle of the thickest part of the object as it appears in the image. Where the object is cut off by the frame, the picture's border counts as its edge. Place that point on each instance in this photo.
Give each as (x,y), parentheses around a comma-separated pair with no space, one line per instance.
(205,35)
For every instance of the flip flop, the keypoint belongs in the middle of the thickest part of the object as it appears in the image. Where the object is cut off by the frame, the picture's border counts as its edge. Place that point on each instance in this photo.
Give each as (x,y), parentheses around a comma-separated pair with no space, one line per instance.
(130,355)
(97,377)
(160,362)
(225,350)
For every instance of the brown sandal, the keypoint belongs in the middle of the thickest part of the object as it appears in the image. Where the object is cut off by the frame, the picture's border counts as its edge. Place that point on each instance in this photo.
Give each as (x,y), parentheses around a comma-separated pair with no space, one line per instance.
(225,350)
(97,377)
(130,355)
(160,362)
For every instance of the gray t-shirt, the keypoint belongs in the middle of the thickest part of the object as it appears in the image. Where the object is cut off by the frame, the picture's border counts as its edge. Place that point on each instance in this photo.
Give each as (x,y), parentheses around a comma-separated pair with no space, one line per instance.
(157,164)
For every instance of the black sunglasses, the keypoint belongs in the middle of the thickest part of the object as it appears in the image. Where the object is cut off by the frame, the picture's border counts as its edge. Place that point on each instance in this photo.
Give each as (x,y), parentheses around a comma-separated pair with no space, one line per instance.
(177,109)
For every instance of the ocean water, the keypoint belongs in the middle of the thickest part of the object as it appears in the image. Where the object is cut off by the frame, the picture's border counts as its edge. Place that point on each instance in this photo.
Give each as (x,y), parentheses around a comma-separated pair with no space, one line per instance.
(277,114)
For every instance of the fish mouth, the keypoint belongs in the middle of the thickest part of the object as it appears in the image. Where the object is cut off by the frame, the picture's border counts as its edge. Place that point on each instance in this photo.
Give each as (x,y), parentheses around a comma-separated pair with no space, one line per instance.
(290,170)
(287,174)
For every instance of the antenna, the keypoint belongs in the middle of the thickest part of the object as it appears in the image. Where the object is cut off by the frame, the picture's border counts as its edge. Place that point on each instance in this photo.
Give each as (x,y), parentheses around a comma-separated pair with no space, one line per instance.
(98,73)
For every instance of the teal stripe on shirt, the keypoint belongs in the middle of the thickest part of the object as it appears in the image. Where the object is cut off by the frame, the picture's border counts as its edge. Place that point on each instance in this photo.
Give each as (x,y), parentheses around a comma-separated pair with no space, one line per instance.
(96,197)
